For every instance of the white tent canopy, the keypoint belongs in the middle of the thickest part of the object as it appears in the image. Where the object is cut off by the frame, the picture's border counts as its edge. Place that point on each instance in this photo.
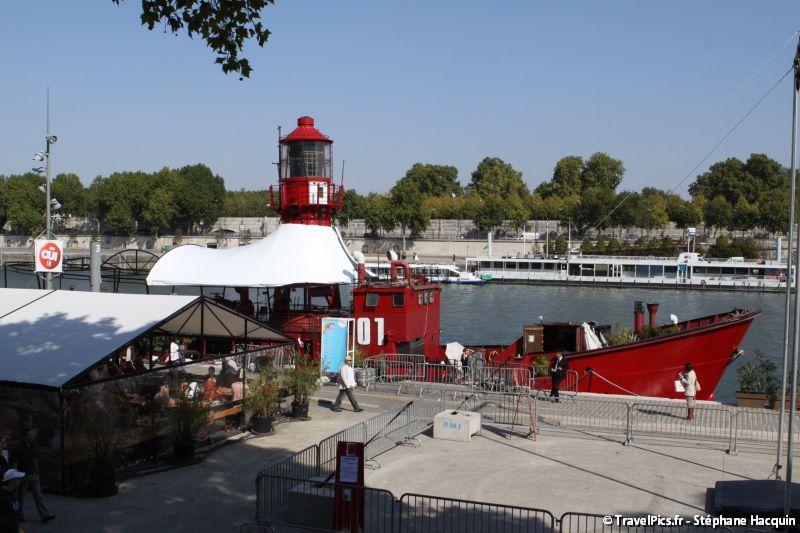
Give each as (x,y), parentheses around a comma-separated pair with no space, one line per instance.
(293,254)
(53,336)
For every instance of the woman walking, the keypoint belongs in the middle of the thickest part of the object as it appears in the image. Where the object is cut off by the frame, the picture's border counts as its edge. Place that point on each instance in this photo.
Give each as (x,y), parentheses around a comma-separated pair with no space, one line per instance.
(690,388)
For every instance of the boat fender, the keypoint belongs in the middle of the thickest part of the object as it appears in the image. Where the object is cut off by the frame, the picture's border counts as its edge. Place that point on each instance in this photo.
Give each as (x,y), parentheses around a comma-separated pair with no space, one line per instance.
(493,355)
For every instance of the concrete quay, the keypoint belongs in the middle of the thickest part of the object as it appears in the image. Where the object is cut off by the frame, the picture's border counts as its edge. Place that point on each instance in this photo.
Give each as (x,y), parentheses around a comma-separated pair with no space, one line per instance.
(566,469)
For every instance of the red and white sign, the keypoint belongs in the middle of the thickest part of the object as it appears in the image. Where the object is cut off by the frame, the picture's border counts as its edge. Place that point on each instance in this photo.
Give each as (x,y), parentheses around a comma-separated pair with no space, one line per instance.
(48,255)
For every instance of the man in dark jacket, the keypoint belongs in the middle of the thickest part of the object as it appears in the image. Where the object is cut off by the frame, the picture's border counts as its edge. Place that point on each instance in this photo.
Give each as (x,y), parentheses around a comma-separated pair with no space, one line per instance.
(26,455)
(558,371)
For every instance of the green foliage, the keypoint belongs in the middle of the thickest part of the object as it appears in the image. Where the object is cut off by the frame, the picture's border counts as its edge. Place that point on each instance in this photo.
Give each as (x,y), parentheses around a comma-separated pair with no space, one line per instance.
(602,171)
(723,248)
(244,203)
(201,195)
(586,246)
(302,379)
(71,194)
(718,213)
(262,395)
(620,335)
(3,202)
(559,246)
(353,206)
(407,208)
(434,180)
(224,26)
(495,177)
(25,203)
(541,365)
(491,213)
(188,417)
(160,211)
(758,375)
(378,214)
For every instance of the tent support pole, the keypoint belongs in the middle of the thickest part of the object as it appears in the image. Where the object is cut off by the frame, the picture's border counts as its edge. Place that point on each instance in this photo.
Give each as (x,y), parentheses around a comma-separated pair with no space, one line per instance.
(202,324)
(61,452)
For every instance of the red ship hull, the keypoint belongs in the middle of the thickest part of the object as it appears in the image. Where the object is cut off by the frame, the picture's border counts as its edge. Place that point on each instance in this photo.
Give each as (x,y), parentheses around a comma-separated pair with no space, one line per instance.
(650,367)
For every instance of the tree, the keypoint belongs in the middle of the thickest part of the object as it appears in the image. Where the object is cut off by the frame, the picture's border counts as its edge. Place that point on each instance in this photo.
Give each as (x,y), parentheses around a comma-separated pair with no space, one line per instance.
(493,176)
(408,209)
(70,193)
(434,180)
(651,212)
(732,178)
(25,203)
(244,203)
(3,202)
(491,213)
(353,206)
(200,196)
(718,213)
(595,204)
(773,210)
(224,26)
(160,211)
(603,171)
(378,214)
(685,213)
(560,245)
(547,208)
(745,215)
(586,246)
(567,176)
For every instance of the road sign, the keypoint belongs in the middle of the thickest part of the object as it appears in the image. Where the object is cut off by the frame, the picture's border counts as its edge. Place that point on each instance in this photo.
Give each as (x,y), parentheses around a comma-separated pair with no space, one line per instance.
(691,232)
(48,255)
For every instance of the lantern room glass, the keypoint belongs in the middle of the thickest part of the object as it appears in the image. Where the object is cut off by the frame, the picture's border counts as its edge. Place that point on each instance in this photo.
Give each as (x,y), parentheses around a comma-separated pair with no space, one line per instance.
(306,159)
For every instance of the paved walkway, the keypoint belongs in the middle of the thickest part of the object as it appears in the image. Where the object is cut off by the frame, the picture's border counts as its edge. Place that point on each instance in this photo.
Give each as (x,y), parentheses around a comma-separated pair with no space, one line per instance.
(562,473)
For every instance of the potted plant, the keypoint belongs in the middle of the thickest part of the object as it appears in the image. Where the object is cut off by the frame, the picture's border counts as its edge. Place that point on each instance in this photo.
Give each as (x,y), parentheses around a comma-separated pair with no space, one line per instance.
(757,382)
(302,379)
(187,418)
(542,365)
(262,397)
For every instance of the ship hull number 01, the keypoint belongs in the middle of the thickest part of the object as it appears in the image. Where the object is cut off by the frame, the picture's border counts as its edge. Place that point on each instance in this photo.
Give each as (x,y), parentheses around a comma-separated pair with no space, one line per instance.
(364,331)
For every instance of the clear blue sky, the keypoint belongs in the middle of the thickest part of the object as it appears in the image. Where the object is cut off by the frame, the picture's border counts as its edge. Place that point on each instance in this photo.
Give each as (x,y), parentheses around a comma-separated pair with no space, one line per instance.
(394,83)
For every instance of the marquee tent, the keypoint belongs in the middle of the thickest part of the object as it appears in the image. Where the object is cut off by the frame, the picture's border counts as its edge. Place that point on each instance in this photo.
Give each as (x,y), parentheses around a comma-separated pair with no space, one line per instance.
(48,338)
(294,254)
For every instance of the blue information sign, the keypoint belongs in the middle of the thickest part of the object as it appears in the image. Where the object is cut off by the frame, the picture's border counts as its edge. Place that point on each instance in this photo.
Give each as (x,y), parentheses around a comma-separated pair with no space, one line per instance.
(334,343)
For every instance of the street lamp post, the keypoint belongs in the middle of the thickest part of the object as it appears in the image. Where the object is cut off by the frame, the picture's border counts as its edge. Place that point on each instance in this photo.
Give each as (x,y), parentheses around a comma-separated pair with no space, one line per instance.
(45,157)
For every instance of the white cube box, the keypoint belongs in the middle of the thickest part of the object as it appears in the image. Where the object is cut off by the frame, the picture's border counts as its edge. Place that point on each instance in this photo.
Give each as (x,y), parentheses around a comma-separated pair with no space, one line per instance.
(456,425)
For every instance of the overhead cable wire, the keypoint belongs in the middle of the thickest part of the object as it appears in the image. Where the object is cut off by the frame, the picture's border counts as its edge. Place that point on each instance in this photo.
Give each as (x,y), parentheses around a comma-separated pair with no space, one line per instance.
(711,151)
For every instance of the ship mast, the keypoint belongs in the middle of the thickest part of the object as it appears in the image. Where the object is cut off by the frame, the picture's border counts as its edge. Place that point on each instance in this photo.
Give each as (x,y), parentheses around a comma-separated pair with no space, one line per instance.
(796,331)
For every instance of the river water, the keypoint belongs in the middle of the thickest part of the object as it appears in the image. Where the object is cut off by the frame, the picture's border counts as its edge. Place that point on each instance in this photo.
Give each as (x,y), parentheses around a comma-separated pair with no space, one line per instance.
(495,313)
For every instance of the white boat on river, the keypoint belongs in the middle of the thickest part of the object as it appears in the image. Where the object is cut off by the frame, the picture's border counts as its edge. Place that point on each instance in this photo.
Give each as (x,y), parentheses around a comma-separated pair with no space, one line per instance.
(434,272)
(687,271)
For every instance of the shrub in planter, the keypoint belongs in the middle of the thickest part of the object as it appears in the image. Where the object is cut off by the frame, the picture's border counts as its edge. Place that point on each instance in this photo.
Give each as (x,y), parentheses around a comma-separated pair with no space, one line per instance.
(757,382)
(302,379)
(542,365)
(187,418)
(262,397)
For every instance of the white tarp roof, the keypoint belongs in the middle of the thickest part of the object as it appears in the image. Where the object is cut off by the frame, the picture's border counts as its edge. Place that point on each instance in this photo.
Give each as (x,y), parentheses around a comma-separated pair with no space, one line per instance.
(59,334)
(291,255)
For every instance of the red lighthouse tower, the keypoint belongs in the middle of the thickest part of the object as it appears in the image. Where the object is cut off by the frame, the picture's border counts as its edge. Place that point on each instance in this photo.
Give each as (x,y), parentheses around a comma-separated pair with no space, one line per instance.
(305,191)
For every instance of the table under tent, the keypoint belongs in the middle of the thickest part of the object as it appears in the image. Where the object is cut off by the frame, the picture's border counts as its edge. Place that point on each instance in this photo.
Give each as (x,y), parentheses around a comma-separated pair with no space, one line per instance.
(129,357)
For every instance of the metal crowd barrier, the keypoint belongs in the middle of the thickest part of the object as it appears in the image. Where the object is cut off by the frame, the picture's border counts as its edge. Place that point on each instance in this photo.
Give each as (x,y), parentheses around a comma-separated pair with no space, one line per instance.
(421,513)
(595,523)
(381,433)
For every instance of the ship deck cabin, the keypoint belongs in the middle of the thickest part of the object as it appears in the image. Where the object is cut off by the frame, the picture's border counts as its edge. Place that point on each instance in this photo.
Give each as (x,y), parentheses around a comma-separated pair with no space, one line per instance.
(549,338)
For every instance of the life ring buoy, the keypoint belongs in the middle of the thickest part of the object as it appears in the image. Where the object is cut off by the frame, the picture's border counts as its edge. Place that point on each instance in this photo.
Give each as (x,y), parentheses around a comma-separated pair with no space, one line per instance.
(493,355)
(703,283)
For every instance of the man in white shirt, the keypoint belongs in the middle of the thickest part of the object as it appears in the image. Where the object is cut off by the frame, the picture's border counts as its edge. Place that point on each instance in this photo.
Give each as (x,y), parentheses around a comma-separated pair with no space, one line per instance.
(347,382)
